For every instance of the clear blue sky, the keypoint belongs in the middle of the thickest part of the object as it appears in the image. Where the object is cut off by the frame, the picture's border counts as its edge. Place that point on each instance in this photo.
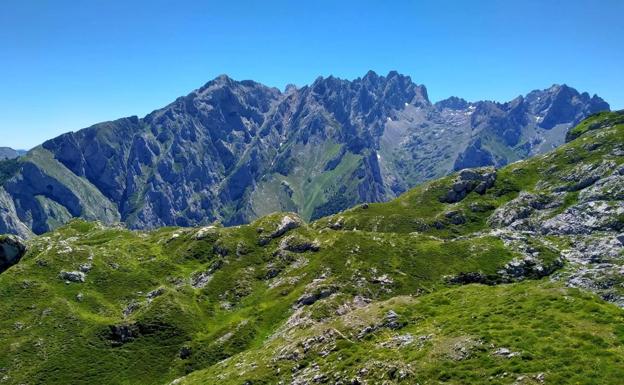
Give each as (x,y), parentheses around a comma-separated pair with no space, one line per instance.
(65,65)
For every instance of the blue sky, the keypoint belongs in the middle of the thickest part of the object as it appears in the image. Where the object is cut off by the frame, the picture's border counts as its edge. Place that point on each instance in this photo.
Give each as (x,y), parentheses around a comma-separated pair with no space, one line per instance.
(65,65)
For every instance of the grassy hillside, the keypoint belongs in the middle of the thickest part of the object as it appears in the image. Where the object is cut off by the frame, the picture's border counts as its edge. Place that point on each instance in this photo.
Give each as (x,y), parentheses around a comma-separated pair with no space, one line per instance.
(453,282)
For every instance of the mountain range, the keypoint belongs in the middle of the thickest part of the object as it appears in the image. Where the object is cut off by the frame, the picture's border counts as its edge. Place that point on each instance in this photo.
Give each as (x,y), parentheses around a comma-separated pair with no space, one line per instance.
(492,276)
(232,151)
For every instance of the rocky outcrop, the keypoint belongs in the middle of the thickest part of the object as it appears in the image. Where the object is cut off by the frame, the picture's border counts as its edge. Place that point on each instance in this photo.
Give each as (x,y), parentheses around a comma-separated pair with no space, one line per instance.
(297,244)
(122,334)
(12,249)
(529,267)
(72,276)
(288,222)
(469,180)
(519,269)
(516,213)
(314,295)
(585,214)
(586,218)
(201,279)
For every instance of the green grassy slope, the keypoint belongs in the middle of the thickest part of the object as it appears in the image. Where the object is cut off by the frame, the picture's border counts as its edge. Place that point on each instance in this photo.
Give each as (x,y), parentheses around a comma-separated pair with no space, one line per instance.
(554,335)
(361,297)
(48,320)
(421,210)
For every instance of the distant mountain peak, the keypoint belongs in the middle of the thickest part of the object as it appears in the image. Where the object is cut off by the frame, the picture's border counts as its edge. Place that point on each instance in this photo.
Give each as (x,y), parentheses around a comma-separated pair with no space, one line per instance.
(223,151)
(453,103)
(9,153)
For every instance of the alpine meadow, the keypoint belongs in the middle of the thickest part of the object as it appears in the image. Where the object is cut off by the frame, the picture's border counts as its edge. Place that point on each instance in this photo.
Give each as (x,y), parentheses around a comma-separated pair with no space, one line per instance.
(325,223)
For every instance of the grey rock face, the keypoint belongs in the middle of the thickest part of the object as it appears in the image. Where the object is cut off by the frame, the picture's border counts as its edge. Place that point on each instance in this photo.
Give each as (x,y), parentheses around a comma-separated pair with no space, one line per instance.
(224,152)
(316,295)
(474,156)
(469,180)
(516,212)
(562,103)
(586,218)
(606,189)
(12,249)
(590,228)
(585,175)
(528,267)
(9,220)
(298,244)
(288,222)
(72,276)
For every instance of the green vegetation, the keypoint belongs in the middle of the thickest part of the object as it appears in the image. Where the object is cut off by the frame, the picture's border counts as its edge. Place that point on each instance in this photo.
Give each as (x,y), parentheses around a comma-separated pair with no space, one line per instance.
(8,168)
(371,295)
(596,121)
(308,185)
(420,209)
(240,301)
(452,337)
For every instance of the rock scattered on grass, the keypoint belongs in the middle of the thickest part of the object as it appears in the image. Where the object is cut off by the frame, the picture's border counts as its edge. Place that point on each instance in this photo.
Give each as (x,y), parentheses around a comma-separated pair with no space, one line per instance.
(72,276)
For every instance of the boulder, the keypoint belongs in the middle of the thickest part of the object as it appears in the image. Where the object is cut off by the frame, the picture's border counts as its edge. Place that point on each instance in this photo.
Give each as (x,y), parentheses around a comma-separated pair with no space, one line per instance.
(289,222)
(505,353)
(298,244)
(478,180)
(72,276)
(316,295)
(337,224)
(392,320)
(121,334)
(155,293)
(12,249)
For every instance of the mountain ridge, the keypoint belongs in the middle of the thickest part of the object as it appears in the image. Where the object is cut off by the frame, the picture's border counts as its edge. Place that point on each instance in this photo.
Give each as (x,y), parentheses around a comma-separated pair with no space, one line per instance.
(235,150)
(485,276)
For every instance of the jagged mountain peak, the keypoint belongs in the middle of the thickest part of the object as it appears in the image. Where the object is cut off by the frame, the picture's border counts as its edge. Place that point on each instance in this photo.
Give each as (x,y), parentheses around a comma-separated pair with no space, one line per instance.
(564,103)
(379,85)
(234,150)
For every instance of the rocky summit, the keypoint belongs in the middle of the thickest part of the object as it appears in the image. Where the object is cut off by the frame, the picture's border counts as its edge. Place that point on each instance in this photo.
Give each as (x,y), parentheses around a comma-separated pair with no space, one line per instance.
(491,275)
(233,151)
